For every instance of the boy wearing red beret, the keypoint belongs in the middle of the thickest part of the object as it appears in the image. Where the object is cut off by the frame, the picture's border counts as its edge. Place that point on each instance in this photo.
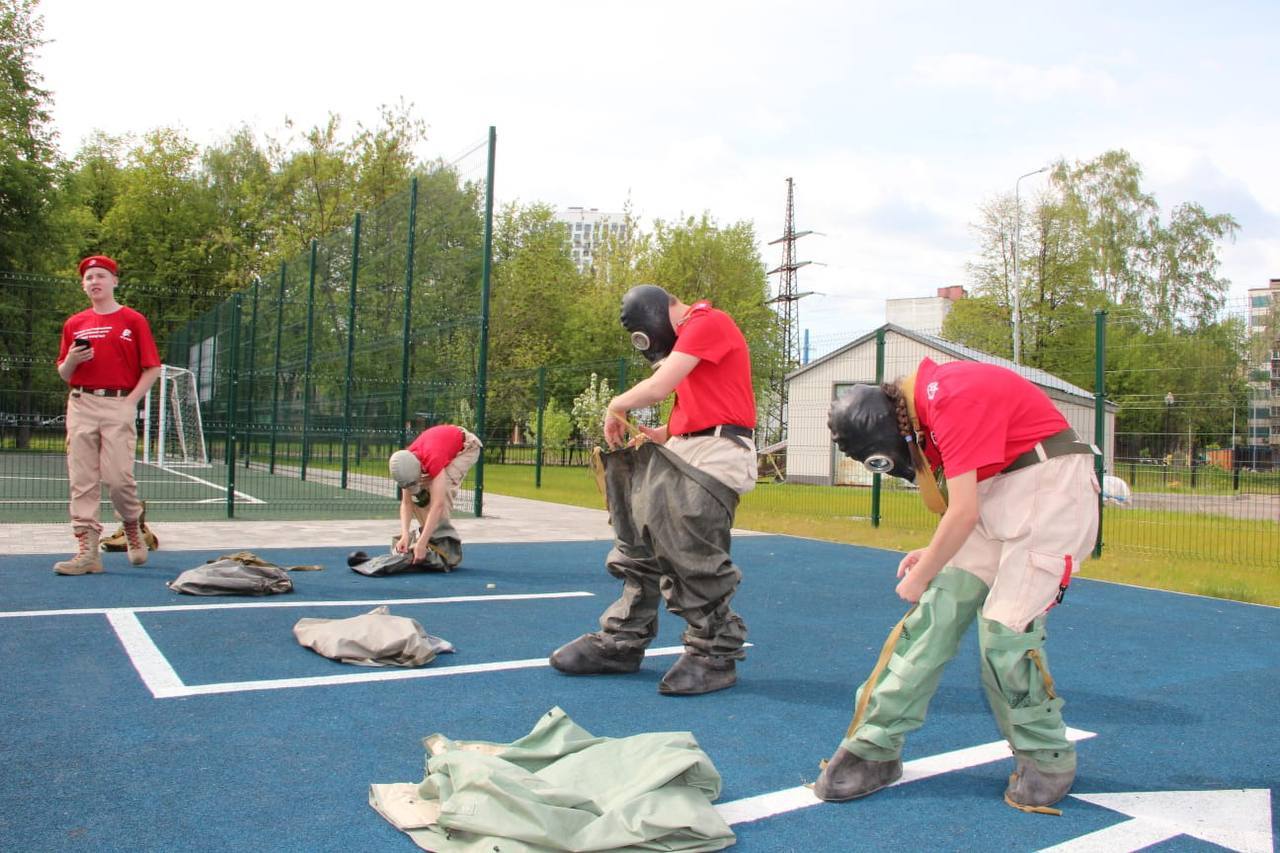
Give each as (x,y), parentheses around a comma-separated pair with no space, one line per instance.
(109,359)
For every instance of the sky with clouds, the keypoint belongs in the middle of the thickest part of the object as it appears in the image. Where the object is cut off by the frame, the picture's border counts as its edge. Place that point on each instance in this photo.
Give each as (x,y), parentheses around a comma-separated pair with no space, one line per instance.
(896,120)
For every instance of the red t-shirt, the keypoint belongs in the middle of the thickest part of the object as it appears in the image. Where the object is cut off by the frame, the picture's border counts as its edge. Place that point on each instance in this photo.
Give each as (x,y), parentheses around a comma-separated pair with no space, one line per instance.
(718,389)
(980,416)
(437,447)
(122,348)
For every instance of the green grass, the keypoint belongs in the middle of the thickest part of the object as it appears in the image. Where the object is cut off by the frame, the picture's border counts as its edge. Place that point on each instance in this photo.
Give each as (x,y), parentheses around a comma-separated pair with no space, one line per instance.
(1202,480)
(1183,552)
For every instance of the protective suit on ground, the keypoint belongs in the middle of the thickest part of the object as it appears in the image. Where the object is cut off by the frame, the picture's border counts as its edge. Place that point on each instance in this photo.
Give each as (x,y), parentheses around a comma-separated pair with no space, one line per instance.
(444,554)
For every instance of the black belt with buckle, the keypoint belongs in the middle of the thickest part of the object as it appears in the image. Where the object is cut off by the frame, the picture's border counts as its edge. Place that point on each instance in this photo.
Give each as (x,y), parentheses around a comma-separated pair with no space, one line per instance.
(100,392)
(1058,444)
(733,432)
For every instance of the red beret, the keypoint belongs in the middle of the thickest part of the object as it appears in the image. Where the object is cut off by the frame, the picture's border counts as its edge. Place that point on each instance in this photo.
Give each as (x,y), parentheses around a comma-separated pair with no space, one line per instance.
(100,261)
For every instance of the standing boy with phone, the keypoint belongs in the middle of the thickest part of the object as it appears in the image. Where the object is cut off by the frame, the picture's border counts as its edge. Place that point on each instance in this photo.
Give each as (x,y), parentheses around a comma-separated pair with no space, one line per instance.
(109,359)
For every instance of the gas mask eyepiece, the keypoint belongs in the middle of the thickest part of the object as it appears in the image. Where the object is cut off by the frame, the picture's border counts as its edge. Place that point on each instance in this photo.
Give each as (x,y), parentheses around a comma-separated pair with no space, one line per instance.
(878,463)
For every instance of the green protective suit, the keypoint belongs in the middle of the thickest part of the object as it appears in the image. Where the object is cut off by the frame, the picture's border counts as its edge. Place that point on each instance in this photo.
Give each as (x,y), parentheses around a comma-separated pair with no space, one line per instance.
(930,636)
(560,788)
(1021,697)
(671,525)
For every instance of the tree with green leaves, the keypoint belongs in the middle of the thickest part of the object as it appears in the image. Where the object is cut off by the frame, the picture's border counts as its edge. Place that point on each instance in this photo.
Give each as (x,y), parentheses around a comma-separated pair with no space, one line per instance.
(1095,239)
(29,160)
(31,311)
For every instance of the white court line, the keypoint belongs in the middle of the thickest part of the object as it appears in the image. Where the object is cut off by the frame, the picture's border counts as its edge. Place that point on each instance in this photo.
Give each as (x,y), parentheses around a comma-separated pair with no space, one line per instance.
(248,498)
(147,659)
(183,690)
(173,608)
(1127,835)
(242,498)
(755,808)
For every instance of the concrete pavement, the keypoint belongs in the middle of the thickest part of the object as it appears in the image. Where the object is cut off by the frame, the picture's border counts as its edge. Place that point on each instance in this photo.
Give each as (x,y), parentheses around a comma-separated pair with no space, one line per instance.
(506,519)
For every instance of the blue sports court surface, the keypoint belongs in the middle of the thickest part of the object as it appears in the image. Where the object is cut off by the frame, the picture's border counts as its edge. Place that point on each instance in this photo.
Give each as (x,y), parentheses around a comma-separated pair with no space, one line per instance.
(137,719)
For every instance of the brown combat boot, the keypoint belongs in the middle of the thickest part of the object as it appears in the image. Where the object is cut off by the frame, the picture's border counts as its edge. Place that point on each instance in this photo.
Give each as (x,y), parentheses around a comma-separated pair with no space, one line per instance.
(87,560)
(137,546)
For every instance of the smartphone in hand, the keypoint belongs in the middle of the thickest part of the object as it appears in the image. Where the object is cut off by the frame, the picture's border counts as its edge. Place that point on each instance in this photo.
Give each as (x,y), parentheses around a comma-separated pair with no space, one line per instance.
(80,343)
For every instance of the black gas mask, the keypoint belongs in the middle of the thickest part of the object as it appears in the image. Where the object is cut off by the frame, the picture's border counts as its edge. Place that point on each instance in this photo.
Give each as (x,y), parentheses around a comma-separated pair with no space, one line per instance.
(864,425)
(646,314)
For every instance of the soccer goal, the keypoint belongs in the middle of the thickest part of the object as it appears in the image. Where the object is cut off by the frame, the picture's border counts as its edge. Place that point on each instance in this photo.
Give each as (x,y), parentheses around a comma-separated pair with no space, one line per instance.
(174,432)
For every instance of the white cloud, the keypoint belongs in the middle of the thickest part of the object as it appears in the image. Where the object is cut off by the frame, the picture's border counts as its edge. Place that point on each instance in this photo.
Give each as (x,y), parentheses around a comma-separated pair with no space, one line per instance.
(1025,82)
(895,125)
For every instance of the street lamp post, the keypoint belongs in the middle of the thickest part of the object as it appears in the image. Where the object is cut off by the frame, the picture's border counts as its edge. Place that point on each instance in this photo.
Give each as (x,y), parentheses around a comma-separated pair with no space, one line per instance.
(1017,279)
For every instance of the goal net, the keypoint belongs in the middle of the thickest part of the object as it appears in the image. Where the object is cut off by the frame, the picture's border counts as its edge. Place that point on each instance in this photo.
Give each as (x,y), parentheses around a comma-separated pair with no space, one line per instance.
(174,432)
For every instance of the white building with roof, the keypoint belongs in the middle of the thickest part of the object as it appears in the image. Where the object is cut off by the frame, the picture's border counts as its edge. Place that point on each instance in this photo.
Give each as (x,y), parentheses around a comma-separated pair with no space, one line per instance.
(812,457)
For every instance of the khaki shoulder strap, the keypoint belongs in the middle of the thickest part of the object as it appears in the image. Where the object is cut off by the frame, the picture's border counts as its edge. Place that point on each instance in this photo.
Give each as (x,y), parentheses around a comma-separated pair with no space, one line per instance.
(929,491)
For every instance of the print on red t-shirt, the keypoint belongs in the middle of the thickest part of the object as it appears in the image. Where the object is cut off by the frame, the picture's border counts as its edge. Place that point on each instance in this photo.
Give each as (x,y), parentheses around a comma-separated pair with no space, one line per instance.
(122,348)
(980,417)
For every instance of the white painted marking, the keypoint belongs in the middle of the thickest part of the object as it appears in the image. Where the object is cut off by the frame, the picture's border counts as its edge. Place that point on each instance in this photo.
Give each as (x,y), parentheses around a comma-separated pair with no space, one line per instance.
(1236,819)
(150,502)
(251,605)
(239,494)
(376,675)
(750,809)
(162,680)
(152,666)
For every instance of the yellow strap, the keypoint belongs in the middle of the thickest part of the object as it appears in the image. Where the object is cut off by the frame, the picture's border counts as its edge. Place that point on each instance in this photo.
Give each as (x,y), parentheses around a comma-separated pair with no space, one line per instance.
(929,491)
(1034,654)
(1031,809)
(597,470)
(637,435)
(868,686)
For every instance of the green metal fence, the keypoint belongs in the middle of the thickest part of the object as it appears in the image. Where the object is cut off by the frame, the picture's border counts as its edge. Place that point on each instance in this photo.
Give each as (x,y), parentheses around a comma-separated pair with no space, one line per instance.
(303,383)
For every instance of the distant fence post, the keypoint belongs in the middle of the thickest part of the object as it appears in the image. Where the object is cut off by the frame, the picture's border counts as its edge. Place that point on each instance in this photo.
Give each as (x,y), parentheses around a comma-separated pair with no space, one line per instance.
(251,371)
(306,362)
(405,325)
(483,368)
(275,385)
(233,383)
(1100,413)
(876,483)
(542,398)
(351,346)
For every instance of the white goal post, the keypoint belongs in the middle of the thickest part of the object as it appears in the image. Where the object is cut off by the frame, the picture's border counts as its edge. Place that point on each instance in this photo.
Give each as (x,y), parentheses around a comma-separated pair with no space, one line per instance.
(173,433)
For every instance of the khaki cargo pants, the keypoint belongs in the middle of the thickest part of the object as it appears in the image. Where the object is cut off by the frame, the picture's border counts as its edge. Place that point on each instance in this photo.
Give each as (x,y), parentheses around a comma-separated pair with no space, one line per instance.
(102,439)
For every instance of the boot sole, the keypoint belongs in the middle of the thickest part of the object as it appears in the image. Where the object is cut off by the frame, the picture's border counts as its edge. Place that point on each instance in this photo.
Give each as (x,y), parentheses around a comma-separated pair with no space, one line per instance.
(668,691)
(860,794)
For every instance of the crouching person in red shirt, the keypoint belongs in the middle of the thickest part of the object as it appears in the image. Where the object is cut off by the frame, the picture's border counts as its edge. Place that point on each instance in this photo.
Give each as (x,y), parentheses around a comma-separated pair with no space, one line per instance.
(429,473)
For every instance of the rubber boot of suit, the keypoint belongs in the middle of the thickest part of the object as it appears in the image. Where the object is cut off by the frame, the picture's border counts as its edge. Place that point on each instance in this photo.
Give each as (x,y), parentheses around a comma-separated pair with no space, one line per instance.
(671,527)
(931,635)
(1028,711)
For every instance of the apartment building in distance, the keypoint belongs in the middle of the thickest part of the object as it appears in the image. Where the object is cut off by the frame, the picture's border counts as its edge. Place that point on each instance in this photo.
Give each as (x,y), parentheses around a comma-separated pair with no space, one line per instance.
(1262,443)
(586,228)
